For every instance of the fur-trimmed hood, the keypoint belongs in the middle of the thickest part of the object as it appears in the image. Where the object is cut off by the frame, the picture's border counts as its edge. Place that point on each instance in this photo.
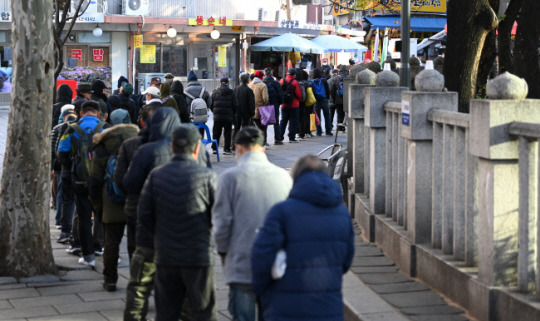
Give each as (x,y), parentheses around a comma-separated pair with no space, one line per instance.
(113,137)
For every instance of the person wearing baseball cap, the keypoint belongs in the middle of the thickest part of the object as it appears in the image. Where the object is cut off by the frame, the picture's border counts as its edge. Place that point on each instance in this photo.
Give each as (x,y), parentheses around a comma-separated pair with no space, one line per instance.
(153,97)
(326,69)
(155,82)
(169,78)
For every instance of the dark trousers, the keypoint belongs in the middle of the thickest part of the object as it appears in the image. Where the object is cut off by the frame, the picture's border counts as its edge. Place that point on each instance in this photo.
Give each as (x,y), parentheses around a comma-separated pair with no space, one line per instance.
(175,284)
(113,236)
(240,122)
(131,231)
(141,282)
(277,131)
(220,126)
(97,231)
(84,211)
(66,219)
(304,120)
(301,125)
(262,127)
(323,106)
(340,113)
(289,114)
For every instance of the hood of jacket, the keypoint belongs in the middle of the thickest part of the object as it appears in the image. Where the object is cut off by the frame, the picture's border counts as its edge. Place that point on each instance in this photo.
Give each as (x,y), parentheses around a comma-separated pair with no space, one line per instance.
(317,188)
(256,80)
(177,87)
(194,83)
(64,94)
(165,90)
(225,91)
(113,137)
(162,123)
(122,80)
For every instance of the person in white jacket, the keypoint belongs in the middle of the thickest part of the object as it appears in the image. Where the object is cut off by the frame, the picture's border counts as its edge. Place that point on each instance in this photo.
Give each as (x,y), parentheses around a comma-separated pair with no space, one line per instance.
(245,194)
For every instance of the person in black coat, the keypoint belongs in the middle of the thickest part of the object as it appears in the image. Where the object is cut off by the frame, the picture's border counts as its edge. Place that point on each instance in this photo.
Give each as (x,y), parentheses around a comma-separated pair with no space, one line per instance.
(64,94)
(322,101)
(224,106)
(175,207)
(275,97)
(123,100)
(246,103)
(84,93)
(177,91)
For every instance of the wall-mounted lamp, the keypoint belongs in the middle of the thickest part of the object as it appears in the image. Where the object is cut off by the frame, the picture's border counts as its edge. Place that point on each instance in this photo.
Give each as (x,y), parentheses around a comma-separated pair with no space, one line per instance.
(171,32)
(97,32)
(215,34)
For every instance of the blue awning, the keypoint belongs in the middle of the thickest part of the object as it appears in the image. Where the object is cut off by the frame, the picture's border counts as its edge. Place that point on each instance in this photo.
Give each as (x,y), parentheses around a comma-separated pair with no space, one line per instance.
(426,24)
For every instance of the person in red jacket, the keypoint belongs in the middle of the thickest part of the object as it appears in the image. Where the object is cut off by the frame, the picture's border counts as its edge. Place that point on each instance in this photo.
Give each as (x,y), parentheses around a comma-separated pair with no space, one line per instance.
(289,109)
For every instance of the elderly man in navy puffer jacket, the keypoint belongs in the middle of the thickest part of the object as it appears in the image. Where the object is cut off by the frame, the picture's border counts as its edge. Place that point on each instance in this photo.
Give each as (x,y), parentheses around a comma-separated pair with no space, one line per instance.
(314,229)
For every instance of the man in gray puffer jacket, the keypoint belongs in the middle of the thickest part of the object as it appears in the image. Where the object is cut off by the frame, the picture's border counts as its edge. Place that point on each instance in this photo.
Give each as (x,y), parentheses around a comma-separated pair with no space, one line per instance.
(194,88)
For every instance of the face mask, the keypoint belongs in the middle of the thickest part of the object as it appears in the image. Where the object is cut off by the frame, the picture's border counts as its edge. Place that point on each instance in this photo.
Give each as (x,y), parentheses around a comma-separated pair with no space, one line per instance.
(325,63)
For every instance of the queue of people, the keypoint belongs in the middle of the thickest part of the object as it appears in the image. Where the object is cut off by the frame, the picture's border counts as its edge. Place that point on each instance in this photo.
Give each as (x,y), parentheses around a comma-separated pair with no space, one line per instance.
(118,165)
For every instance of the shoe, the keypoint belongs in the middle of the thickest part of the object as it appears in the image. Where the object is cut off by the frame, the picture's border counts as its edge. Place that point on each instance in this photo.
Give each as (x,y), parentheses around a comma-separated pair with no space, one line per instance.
(98,252)
(301,138)
(309,135)
(63,239)
(75,250)
(119,260)
(294,141)
(319,134)
(214,152)
(227,152)
(110,287)
(82,261)
(277,142)
(329,134)
(58,226)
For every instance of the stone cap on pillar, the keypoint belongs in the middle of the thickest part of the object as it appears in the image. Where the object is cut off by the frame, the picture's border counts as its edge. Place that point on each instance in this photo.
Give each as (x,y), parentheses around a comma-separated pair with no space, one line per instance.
(415,108)
(376,98)
(356,100)
(490,121)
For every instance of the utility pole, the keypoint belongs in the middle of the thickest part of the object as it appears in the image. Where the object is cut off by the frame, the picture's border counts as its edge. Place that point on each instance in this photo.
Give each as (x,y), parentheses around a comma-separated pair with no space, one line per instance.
(405,72)
(288,9)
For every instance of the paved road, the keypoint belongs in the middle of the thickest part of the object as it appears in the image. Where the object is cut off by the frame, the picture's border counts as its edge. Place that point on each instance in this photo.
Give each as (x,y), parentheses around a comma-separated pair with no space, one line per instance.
(374,289)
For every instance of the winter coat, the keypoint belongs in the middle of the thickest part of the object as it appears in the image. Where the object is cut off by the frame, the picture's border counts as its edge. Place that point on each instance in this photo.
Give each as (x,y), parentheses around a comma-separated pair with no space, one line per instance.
(55,135)
(246,102)
(64,95)
(126,103)
(177,91)
(125,155)
(224,104)
(175,207)
(314,228)
(107,143)
(297,93)
(326,71)
(194,89)
(149,156)
(240,208)
(275,97)
(77,102)
(166,98)
(261,95)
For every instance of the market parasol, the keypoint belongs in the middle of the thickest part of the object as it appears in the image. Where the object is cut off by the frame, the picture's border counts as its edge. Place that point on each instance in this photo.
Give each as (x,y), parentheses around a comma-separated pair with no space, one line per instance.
(333,43)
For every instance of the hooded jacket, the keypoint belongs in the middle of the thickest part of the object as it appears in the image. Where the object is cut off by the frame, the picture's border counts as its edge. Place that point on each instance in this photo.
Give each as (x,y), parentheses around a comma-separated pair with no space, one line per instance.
(64,94)
(177,91)
(107,143)
(261,95)
(314,228)
(224,104)
(124,102)
(295,89)
(274,91)
(166,98)
(246,102)
(194,89)
(149,156)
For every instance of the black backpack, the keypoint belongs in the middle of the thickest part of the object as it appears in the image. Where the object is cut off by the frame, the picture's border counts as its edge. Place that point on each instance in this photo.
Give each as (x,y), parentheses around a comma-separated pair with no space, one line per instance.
(113,191)
(82,149)
(288,96)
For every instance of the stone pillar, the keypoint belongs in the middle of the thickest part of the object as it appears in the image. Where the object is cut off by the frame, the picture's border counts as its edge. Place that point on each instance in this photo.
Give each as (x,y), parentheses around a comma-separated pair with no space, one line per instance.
(419,133)
(498,183)
(356,114)
(375,120)
(346,103)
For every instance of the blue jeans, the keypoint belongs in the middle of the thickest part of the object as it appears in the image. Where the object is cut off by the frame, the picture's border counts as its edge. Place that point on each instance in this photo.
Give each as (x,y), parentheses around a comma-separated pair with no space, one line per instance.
(243,303)
(326,113)
(289,114)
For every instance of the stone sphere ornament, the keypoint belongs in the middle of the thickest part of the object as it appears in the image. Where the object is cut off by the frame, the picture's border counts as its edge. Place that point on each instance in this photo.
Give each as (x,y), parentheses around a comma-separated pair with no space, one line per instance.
(507,86)
(429,80)
(366,77)
(387,78)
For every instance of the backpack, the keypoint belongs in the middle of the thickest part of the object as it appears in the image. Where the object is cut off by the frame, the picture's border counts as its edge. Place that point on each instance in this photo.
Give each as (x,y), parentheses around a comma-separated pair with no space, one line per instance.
(198,108)
(339,90)
(114,193)
(288,96)
(318,89)
(83,151)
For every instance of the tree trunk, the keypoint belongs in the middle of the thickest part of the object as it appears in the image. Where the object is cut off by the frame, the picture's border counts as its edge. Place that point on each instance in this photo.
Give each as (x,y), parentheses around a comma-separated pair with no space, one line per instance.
(469,22)
(505,36)
(526,48)
(487,59)
(25,244)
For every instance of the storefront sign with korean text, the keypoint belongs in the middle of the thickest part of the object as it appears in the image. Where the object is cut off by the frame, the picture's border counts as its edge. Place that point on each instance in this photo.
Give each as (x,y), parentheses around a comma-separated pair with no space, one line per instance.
(138,41)
(296,25)
(211,21)
(416,5)
(97,54)
(148,54)
(77,54)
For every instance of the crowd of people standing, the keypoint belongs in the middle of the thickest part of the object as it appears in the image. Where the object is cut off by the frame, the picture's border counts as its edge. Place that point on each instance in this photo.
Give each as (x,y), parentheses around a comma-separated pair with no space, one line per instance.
(137,162)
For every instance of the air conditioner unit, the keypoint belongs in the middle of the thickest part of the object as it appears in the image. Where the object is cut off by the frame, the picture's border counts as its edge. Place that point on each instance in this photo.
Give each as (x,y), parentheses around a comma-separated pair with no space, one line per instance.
(135,7)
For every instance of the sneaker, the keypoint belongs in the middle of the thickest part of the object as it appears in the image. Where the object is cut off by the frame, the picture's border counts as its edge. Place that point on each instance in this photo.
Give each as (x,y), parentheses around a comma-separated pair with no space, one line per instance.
(109,287)
(82,261)
(309,135)
(75,250)
(319,134)
(329,134)
(98,252)
(277,142)
(294,141)
(58,226)
(227,152)
(301,138)
(63,239)
(119,260)
(214,152)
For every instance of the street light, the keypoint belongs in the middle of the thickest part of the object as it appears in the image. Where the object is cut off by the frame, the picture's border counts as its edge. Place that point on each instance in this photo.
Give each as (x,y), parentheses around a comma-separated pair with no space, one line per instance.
(97,32)
(215,34)
(171,32)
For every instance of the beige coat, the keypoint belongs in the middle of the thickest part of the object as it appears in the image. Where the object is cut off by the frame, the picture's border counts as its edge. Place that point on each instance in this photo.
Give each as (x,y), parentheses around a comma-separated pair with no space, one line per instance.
(261,95)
